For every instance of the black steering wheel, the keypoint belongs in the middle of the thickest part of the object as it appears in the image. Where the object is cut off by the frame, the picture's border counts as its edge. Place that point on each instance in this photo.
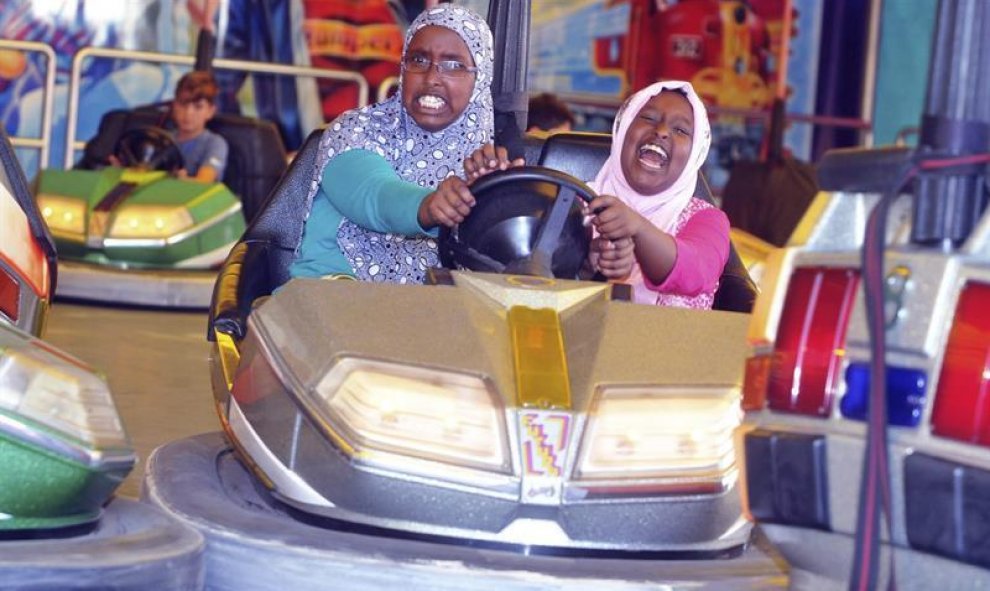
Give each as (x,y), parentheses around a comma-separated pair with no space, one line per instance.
(151,148)
(526,221)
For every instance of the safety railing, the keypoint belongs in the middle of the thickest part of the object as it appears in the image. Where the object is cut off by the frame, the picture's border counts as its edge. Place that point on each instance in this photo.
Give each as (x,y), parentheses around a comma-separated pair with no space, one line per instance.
(386,87)
(40,143)
(250,67)
(607,106)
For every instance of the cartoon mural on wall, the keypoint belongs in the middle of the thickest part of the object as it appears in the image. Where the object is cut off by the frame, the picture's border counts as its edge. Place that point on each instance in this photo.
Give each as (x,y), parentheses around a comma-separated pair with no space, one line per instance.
(363,36)
(22,76)
(70,25)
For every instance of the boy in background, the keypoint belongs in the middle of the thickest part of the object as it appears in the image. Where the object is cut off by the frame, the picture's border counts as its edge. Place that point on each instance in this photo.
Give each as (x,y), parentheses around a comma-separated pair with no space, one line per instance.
(204,152)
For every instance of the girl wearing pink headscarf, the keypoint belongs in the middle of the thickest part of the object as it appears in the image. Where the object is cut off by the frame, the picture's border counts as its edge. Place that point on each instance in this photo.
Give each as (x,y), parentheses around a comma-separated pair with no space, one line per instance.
(650,230)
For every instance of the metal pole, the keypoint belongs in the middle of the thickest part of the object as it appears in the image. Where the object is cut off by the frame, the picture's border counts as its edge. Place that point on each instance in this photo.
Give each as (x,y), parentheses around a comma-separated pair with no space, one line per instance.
(956,122)
(510,20)
(870,72)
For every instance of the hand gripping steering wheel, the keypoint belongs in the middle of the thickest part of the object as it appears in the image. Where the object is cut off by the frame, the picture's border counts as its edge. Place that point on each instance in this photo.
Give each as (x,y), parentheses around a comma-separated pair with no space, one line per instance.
(526,221)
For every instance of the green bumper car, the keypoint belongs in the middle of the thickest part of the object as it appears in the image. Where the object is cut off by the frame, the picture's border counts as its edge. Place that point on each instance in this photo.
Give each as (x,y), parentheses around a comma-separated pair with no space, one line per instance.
(138,235)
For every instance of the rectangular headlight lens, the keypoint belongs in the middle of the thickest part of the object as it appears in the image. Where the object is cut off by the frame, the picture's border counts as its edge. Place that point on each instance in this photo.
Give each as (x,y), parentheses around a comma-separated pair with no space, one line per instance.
(52,391)
(414,411)
(660,433)
(150,221)
(63,214)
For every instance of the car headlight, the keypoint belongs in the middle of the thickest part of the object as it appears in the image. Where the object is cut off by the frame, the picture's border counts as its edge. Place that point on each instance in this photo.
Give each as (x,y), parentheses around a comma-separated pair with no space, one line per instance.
(150,221)
(63,214)
(414,411)
(54,392)
(674,435)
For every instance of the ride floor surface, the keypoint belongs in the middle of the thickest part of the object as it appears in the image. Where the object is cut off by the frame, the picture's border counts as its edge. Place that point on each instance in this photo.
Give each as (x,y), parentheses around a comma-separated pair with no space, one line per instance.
(156,362)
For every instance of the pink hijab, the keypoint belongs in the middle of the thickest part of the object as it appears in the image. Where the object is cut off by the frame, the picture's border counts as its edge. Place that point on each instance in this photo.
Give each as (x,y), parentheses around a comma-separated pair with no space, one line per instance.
(664,208)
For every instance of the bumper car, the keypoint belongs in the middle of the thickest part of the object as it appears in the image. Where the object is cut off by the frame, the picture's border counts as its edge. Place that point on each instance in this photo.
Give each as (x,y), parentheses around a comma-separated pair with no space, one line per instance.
(503,415)
(806,398)
(136,235)
(63,450)
(866,387)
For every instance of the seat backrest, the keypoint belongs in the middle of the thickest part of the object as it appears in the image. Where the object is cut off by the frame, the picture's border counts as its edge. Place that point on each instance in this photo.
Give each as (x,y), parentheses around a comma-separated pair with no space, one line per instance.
(281,218)
(259,263)
(582,155)
(256,159)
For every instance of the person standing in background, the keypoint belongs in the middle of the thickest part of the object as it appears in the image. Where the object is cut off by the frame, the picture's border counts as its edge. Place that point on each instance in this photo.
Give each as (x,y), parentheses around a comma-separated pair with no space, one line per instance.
(548,114)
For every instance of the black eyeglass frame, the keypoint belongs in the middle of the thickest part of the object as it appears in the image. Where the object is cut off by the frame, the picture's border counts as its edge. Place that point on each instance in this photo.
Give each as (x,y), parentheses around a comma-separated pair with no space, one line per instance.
(462,71)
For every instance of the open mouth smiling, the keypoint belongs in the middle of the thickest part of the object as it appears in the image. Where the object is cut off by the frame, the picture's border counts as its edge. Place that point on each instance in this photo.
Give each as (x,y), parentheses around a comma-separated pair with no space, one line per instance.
(653,156)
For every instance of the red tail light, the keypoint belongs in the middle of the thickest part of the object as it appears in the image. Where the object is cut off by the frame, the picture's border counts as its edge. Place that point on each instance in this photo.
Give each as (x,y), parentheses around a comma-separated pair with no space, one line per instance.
(10,295)
(807,361)
(962,402)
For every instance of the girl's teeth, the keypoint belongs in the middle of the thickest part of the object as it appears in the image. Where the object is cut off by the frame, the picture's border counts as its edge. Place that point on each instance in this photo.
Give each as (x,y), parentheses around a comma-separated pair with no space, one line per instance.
(653,156)
(655,148)
(431,102)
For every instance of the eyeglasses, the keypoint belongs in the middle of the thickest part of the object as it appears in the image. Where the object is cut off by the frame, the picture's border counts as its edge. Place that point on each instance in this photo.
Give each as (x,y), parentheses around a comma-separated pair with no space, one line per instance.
(420,64)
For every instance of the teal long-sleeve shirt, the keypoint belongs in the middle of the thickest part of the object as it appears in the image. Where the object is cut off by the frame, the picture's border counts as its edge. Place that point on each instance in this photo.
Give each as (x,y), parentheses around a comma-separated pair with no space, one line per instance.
(360,186)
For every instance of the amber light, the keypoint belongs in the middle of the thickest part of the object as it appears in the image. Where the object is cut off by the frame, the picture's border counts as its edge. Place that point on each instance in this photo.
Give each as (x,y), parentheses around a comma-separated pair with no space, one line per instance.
(754,391)
(806,365)
(962,401)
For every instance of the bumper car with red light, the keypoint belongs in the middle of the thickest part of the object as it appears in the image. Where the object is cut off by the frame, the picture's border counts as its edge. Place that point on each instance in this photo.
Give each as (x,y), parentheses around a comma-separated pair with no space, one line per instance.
(866,432)
(63,449)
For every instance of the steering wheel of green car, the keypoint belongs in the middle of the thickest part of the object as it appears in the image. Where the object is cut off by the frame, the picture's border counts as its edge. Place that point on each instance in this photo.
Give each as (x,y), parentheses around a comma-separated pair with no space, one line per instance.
(151,148)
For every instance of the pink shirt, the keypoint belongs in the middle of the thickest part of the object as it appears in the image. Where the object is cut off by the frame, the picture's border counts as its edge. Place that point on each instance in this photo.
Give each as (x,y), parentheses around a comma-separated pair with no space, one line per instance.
(702,237)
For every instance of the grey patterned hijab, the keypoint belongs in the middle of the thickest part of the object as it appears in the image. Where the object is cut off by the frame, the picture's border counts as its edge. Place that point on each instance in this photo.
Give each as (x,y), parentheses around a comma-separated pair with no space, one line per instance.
(417,155)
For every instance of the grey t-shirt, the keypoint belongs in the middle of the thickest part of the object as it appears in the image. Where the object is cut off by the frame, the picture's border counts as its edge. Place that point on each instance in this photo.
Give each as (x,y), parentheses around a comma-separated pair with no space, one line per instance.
(207,148)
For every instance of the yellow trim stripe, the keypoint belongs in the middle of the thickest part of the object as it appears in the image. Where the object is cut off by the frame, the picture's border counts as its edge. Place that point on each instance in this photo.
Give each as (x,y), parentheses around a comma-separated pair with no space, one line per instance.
(229,356)
(216,188)
(540,363)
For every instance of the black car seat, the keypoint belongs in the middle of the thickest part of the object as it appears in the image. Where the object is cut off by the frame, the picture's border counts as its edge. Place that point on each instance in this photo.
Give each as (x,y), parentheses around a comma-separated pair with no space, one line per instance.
(582,155)
(260,261)
(256,159)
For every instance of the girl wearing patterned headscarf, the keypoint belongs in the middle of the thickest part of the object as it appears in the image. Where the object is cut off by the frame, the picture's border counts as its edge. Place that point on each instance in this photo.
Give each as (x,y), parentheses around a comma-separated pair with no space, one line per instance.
(652,232)
(386,174)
